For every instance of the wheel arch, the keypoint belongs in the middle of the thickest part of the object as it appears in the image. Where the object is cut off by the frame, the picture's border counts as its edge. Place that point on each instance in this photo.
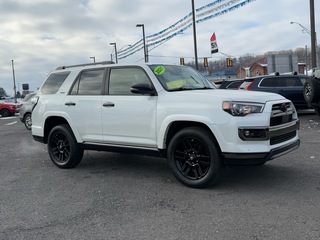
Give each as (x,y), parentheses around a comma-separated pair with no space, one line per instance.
(176,126)
(53,121)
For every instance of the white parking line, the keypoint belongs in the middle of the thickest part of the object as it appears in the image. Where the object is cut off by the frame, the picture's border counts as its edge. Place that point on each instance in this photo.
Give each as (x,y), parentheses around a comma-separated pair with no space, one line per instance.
(4,118)
(11,123)
(7,118)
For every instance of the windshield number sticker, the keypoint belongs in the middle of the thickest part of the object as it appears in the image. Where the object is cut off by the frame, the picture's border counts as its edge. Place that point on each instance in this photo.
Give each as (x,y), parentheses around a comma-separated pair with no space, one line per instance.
(159,70)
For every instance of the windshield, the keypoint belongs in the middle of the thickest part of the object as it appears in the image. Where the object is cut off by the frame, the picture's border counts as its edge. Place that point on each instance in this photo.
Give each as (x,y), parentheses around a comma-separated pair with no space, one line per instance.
(177,78)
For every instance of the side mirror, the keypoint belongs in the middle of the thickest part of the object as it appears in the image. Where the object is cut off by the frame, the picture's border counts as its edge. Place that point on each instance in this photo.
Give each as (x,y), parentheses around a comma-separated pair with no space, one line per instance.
(142,88)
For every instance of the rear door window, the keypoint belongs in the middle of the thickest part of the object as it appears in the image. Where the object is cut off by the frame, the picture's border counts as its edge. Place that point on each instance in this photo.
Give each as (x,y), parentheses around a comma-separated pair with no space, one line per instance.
(89,83)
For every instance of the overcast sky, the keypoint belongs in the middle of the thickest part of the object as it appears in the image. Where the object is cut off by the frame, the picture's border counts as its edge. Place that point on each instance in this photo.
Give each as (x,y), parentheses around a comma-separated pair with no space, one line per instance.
(40,35)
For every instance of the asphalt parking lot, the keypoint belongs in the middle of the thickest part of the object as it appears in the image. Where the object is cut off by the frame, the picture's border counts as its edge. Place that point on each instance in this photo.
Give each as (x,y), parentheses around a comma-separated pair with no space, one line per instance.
(119,196)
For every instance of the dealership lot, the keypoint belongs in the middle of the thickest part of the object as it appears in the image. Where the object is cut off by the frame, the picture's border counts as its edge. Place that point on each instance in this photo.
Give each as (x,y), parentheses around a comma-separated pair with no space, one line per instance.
(118,196)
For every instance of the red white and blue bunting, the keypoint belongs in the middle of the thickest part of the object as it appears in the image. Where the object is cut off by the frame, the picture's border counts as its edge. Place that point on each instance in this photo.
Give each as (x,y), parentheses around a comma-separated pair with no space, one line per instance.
(204,13)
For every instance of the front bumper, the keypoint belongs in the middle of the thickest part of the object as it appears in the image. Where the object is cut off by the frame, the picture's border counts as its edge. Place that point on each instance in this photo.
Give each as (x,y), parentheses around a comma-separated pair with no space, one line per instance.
(258,158)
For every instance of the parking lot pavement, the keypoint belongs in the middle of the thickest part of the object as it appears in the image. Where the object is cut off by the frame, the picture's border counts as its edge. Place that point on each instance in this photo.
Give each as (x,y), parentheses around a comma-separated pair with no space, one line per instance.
(118,196)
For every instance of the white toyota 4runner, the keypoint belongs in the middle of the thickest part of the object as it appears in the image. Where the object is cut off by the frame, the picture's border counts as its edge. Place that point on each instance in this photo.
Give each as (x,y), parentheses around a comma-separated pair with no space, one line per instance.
(166,110)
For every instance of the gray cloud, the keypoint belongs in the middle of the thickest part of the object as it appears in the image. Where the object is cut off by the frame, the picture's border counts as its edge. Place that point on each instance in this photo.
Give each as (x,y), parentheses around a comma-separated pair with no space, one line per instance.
(43,34)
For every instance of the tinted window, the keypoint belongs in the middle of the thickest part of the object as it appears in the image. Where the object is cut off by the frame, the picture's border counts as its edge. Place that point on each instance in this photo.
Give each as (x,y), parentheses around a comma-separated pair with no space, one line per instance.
(289,82)
(89,83)
(121,80)
(234,85)
(54,82)
(268,82)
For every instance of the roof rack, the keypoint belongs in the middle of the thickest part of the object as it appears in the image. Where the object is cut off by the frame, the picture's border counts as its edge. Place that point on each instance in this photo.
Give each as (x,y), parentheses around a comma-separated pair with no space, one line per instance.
(85,64)
(286,73)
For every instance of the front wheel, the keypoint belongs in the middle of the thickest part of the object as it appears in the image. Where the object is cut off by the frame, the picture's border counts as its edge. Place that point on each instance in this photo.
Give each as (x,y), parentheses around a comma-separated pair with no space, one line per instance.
(5,113)
(194,158)
(63,148)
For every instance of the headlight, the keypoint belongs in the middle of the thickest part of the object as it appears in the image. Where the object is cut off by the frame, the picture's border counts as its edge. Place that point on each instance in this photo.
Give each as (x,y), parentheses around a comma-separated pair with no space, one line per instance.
(242,108)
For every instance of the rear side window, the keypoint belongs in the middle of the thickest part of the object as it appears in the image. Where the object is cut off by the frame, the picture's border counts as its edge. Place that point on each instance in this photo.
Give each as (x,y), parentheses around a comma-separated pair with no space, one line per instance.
(289,82)
(234,85)
(54,82)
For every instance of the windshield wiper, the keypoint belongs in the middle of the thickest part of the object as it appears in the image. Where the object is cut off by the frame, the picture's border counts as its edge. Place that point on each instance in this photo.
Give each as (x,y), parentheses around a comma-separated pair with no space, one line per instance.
(184,88)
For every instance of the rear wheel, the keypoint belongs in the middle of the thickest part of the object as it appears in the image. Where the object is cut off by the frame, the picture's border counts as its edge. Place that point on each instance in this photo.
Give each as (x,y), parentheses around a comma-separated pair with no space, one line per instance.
(194,158)
(63,148)
(27,121)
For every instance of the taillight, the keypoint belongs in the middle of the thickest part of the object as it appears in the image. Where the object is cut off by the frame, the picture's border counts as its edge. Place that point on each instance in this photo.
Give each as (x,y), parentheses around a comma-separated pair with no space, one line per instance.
(248,86)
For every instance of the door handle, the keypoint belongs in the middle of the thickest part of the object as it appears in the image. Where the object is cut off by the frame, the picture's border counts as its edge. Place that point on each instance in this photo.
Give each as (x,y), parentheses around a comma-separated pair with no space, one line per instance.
(70,104)
(108,104)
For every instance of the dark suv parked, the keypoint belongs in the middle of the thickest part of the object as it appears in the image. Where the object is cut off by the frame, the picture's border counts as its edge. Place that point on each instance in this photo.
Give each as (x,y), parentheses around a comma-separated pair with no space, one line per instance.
(288,85)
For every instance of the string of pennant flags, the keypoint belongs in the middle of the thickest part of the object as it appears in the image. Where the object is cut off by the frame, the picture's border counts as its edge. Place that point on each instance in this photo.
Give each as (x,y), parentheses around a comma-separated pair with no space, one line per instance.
(202,14)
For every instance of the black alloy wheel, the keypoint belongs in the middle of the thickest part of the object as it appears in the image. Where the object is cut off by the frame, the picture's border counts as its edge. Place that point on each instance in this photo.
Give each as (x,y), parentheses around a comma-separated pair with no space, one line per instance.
(194,158)
(63,148)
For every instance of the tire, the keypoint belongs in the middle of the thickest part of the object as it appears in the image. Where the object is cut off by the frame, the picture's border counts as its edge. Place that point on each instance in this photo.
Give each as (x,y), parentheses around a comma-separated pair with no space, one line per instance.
(63,148)
(5,112)
(27,121)
(311,91)
(194,158)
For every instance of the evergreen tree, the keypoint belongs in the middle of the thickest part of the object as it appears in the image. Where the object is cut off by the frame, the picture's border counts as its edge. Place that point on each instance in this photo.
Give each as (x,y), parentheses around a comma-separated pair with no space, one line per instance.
(2,92)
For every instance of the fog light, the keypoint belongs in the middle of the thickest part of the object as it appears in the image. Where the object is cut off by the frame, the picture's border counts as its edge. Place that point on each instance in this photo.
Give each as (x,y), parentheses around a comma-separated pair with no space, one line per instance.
(252,134)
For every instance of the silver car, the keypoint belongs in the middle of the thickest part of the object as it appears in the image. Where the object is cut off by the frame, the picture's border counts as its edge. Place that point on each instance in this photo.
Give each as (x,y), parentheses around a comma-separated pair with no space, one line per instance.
(26,110)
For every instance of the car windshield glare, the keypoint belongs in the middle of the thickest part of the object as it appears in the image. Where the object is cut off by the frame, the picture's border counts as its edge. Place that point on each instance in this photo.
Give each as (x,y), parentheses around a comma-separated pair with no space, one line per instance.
(177,78)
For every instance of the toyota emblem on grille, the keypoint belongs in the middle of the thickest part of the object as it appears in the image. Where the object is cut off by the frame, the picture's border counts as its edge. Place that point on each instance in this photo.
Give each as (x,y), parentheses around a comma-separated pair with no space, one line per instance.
(284,107)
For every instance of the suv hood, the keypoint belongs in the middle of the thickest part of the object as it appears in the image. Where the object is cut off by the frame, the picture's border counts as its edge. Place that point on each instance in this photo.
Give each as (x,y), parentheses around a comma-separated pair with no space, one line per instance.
(236,95)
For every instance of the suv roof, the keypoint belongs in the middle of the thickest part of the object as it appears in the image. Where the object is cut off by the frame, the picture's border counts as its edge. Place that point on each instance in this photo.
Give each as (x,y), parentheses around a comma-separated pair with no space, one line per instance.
(86,64)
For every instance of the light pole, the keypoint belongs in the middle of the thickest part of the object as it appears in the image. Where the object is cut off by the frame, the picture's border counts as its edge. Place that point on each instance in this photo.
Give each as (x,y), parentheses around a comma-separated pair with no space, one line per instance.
(194,35)
(313,35)
(115,50)
(313,44)
(14,83)
(144,42)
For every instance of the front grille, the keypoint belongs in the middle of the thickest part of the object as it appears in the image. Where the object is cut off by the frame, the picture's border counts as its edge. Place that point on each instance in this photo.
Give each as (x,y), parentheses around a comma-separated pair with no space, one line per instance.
(282,113)
(282,138)
(278,120)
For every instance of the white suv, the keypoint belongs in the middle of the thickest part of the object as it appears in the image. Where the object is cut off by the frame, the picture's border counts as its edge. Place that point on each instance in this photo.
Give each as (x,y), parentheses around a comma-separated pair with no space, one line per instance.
(160,109)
